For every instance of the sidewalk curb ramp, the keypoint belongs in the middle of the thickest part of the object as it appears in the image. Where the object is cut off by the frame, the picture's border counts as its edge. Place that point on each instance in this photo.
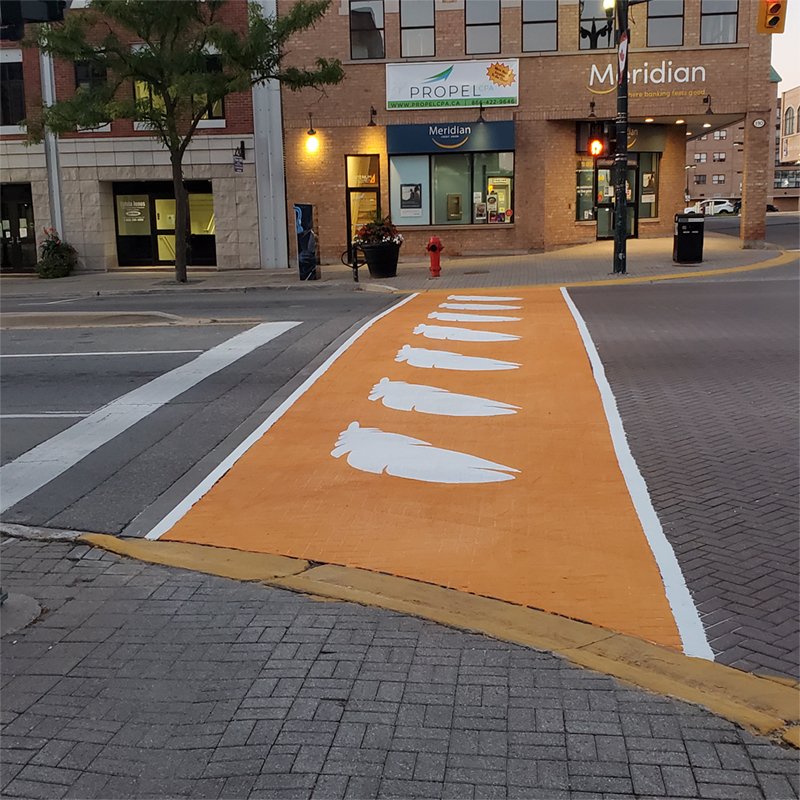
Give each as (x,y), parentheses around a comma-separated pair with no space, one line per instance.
(768,706)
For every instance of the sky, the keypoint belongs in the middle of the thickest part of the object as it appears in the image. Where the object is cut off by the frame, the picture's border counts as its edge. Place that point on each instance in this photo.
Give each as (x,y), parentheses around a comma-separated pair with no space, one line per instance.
(784,49)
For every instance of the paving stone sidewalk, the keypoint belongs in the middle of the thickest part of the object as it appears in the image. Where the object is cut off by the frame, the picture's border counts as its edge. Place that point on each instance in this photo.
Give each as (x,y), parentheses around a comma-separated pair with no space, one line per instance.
(145,681)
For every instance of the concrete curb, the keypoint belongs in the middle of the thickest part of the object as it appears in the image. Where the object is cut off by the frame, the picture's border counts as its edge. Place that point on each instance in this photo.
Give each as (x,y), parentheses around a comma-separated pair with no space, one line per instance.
(768,706)
(83,319)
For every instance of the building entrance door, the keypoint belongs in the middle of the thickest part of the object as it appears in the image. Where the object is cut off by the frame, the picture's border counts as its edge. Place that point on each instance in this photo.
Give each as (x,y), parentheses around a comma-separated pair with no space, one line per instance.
(17,231)
(363,194)
(604,197)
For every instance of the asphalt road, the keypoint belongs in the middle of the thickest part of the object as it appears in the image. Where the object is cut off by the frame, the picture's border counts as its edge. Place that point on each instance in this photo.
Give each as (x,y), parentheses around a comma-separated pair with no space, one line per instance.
(48,387)
(783,228)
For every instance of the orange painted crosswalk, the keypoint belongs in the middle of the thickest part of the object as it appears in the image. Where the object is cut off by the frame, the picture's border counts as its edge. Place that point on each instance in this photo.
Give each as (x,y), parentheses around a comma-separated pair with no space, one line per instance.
(465,447)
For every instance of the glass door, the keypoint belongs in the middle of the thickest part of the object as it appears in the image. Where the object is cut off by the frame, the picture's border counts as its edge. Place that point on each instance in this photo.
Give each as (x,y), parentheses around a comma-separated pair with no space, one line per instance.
(363,194)
(164,215)
(17,237)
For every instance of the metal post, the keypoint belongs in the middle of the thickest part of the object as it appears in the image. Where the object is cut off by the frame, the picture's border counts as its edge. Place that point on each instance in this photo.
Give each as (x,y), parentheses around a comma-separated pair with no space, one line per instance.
(51,147)
(621,155)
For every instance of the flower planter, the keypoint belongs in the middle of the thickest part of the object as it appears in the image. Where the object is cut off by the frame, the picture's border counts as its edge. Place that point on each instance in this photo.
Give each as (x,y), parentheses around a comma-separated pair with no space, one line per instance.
(382,259)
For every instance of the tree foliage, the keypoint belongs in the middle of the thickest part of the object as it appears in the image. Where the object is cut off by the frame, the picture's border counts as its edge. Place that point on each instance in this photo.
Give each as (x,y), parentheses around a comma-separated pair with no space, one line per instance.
(184,58)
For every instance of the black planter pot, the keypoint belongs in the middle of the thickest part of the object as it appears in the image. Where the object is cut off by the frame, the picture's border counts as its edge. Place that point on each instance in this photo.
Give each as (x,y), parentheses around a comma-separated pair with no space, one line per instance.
(382,259)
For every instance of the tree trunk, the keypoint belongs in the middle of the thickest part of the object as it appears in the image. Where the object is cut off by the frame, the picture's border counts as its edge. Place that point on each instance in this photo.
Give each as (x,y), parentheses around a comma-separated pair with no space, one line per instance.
(181,217)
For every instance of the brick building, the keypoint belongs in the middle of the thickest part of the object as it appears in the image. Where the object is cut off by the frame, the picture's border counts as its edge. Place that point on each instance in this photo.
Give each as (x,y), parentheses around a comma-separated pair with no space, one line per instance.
(463,118)
(786,190)
(117,199)
(469,119)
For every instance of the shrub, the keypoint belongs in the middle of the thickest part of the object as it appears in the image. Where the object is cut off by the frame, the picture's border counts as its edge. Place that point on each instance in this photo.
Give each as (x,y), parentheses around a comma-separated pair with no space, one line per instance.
(378,232)
(56,258)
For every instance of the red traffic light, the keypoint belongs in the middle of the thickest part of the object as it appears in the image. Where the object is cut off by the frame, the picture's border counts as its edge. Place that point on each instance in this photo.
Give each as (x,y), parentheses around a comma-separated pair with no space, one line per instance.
(596,146)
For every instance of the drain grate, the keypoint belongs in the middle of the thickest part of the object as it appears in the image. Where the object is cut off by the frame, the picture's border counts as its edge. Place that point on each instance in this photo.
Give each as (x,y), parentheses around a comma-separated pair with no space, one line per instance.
(477,272)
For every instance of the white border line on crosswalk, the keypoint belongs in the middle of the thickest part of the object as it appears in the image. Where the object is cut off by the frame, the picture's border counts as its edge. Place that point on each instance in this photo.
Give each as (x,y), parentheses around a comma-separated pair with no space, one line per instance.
(687,619)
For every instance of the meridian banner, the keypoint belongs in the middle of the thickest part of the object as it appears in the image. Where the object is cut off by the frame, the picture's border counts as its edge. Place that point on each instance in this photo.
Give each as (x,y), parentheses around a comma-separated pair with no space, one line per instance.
(455,84)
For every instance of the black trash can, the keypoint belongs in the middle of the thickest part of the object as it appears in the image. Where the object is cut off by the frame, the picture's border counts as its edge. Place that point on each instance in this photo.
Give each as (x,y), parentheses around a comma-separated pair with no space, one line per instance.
(687,246)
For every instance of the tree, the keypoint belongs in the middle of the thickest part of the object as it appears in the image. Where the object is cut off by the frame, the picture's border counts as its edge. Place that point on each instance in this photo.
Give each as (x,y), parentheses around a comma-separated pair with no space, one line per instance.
(183,59)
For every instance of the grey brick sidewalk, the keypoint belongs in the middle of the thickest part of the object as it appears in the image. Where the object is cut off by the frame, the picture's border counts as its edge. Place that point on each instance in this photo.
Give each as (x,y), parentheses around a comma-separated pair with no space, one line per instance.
(706,378)
(144,681)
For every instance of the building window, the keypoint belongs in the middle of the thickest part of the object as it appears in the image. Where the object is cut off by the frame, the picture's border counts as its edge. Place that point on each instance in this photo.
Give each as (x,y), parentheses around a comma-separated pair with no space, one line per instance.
(718,21)
(664,23)
(788,122)
(723,134)
(366,29)
(12,93)
(417,28)
(452,189)
(719,156)
(482,18)
(584,190)
(699,158)
(717,179)
(595,26)
(215,109)
(704,137)
(88,75)
(787,179)
(539,25)
(648,190)
(700,179)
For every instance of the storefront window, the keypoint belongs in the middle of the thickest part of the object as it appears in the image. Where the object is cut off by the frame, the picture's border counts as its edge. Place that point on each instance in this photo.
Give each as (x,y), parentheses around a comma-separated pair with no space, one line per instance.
(584,196)
(133,215)
(648,189)
(201,215)
(492,187)
(452,189)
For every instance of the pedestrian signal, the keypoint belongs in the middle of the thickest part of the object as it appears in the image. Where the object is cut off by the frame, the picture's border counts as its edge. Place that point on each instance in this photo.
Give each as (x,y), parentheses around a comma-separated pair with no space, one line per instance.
(771,16)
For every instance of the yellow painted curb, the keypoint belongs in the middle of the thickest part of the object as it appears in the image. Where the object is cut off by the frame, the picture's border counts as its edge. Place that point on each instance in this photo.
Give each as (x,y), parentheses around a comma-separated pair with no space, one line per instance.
(767,706)
(237,564)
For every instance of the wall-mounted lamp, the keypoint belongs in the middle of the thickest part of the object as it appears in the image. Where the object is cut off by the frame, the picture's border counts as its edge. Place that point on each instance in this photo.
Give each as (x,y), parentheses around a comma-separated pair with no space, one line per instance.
(312,143)
(480,113)
(592,115)
(707,101)
(372,114)
(239,151)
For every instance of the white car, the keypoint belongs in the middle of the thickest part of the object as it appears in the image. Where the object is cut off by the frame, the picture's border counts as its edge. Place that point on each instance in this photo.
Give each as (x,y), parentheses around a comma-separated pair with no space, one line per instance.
(710,207)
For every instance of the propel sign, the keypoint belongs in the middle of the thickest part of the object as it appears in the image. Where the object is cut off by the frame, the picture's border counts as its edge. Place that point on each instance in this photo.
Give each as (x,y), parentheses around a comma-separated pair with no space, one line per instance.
(771,16)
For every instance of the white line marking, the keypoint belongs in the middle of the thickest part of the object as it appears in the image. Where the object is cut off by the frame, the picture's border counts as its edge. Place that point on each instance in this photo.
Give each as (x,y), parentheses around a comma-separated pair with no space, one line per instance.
(685,613)
(479,307)
(53,302)
(462,334)
(46,415)
(32,470)
(446,316)
(444,359)
(403,396)
(106,353)
(203,487)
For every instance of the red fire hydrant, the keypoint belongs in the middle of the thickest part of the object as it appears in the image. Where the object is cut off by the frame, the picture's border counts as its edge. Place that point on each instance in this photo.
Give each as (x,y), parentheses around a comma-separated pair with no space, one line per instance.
(434,248)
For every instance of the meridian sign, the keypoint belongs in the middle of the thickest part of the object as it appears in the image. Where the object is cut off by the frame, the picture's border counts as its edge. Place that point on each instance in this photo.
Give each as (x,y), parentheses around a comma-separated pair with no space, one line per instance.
(454,84)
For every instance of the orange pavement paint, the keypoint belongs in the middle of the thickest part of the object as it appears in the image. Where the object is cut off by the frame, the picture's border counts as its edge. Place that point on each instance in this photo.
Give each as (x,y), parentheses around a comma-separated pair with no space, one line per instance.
(562,535)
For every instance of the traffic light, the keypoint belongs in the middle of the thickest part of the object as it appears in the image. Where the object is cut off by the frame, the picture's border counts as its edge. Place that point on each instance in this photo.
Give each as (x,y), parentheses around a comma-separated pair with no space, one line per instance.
(596,145)
(771,16)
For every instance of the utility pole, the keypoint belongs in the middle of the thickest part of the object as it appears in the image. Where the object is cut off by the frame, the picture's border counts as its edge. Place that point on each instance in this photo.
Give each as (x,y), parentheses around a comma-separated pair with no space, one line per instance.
(620,265)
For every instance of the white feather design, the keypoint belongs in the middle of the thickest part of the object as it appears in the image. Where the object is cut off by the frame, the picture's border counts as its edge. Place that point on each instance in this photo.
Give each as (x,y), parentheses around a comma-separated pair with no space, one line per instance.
(446,316)
(443,359)
(379,452)
(462,334)
(403,396)
(479,307)
(480,298)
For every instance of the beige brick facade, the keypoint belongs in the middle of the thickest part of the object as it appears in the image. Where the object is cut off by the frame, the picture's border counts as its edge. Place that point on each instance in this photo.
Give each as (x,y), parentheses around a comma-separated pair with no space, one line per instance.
(555,91)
